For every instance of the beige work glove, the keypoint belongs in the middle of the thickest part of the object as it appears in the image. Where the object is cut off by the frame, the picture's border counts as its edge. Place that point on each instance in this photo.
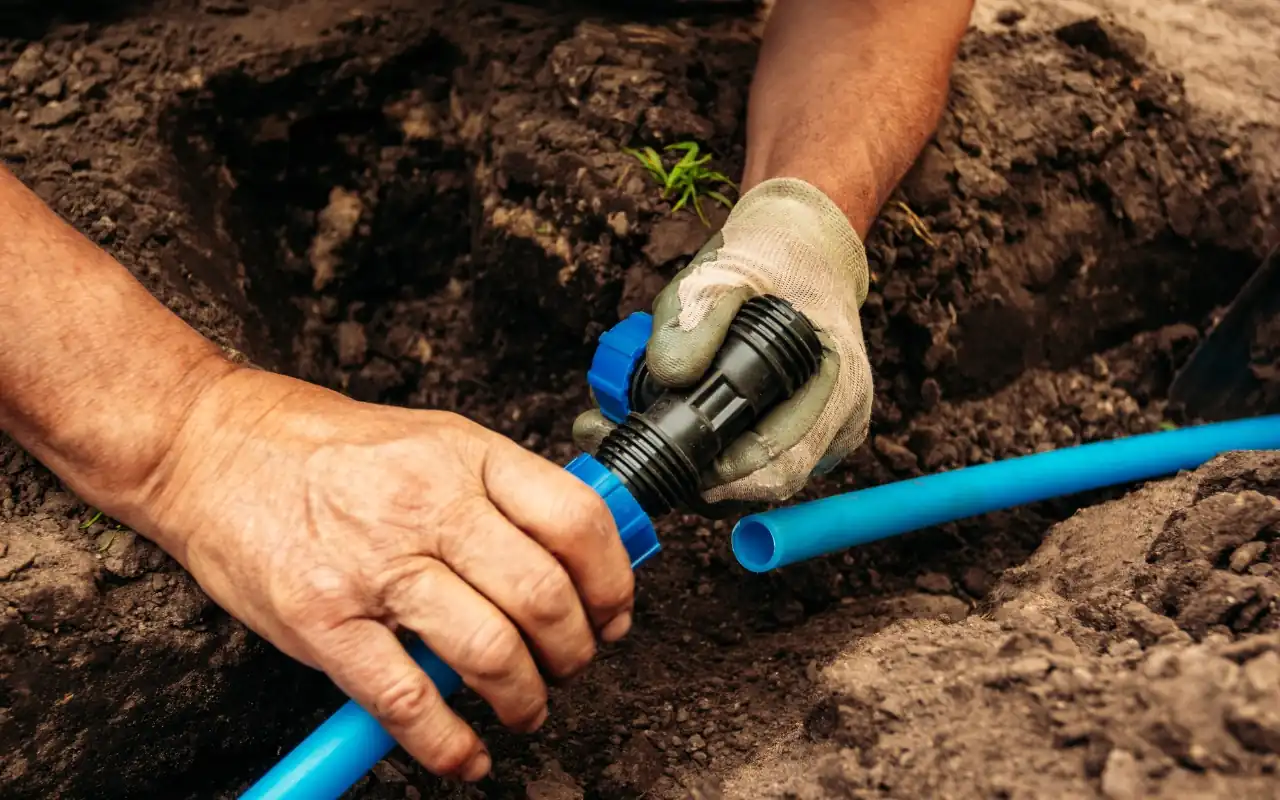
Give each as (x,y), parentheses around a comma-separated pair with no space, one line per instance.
(785,238)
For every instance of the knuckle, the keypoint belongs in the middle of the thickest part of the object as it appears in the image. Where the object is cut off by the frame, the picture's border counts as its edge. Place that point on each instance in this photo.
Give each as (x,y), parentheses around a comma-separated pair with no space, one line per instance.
(312,595)
(576,663)
(585,518)
(617,594)
(406,701)
(494,651)
(450,754)
(458,520)
(547,595)
(533,702)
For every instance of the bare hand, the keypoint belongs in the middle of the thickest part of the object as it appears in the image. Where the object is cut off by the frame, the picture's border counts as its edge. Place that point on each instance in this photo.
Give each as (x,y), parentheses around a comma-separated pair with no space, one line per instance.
(326,525)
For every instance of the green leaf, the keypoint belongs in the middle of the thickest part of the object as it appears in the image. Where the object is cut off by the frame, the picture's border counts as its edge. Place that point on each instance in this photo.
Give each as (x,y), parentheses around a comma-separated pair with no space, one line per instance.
(92,520)
(719,198)
(684,198)
(697,206)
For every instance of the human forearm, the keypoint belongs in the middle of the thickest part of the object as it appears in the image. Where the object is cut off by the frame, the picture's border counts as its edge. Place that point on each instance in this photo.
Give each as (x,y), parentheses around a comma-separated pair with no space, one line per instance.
(95,374)
(847,92)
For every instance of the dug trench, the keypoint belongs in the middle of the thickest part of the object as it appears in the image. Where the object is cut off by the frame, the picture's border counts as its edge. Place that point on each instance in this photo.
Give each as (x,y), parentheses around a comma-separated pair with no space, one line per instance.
(428,205)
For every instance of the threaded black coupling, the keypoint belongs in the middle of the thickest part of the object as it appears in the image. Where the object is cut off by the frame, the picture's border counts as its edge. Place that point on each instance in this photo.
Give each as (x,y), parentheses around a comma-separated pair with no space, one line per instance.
(671,436)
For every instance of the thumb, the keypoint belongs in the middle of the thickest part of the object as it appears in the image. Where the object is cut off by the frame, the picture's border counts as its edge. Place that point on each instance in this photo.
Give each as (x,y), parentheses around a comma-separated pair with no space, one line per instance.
(678,356)
(589,430)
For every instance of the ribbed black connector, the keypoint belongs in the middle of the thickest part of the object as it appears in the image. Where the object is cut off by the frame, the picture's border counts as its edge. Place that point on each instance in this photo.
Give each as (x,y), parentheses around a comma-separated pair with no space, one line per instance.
(671,436)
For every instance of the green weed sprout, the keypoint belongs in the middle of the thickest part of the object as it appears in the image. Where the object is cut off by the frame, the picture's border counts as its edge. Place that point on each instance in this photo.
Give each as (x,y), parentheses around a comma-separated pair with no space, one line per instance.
(689,178)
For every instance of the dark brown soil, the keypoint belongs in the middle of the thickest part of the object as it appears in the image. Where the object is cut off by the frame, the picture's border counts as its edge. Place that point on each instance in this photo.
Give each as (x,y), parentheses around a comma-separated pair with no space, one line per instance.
(427,204)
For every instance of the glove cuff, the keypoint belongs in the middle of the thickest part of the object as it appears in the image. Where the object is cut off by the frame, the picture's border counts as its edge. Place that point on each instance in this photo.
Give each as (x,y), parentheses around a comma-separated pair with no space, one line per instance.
(805,210)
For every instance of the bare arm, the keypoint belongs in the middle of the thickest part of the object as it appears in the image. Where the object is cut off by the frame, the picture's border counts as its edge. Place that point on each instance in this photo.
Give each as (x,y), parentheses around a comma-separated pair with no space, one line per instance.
(323,524)
(95,373)
(847,92)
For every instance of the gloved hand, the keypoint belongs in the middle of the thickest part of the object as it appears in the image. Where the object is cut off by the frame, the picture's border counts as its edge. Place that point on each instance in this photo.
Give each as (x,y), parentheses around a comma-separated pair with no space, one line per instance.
(785,238)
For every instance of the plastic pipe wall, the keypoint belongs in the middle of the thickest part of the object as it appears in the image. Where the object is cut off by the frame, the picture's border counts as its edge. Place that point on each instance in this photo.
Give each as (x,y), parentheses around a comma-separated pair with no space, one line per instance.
(773,539)
(344,747)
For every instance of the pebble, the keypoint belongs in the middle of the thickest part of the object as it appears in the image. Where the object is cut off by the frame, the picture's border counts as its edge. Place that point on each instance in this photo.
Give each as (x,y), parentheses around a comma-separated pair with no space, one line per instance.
(27,69)
(1121,779)
(51,89)
(976,581)
(899,457)
(934,583)
(351,344)
(385,773)
(1257,726)
(1245,555)
(1030,668)
(1262,674)
(1010,16)
(56,114)
(696,742)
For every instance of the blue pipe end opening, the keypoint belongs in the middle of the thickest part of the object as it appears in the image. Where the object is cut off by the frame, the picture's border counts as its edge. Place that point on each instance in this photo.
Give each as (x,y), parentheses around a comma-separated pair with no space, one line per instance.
(755,546)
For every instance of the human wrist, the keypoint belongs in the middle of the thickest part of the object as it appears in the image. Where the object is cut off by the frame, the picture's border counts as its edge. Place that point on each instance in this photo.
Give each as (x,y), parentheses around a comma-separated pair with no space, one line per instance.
(109,448)
(229,408)
(852,187)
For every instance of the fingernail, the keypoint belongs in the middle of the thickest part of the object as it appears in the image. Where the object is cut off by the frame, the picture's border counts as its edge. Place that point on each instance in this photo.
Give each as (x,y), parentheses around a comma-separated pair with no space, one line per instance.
(617,628)
(478,768)
(542,718)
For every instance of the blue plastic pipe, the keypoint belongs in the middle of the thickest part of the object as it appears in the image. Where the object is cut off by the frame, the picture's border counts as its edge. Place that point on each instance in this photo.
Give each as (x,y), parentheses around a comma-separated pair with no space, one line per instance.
(344,747)
(783,536)
(347,745)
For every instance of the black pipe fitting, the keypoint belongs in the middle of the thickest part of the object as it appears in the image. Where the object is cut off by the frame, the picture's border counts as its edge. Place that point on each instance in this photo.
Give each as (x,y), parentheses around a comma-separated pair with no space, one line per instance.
(671,436)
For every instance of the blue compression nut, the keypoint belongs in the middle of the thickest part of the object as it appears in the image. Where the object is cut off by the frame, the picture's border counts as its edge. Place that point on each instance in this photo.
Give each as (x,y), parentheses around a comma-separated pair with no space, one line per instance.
(619,353)
(634,526)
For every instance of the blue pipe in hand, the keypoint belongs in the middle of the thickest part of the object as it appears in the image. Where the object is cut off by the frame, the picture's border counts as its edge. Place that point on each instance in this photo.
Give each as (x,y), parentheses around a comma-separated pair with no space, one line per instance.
(347,745)
(783,536)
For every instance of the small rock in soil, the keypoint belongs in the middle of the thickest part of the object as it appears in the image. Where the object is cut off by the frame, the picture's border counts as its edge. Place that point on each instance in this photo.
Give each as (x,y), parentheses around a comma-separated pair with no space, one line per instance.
(1262,675)
(386,773)
(51,89)
(1257,726)
(1010,16)
(56,114)
(899,457)
(337,225)
(1121,779)
(29,66)
(976,581)
(351,344)
(1246,554)
(1105,39)
(554,784)
(934,583)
